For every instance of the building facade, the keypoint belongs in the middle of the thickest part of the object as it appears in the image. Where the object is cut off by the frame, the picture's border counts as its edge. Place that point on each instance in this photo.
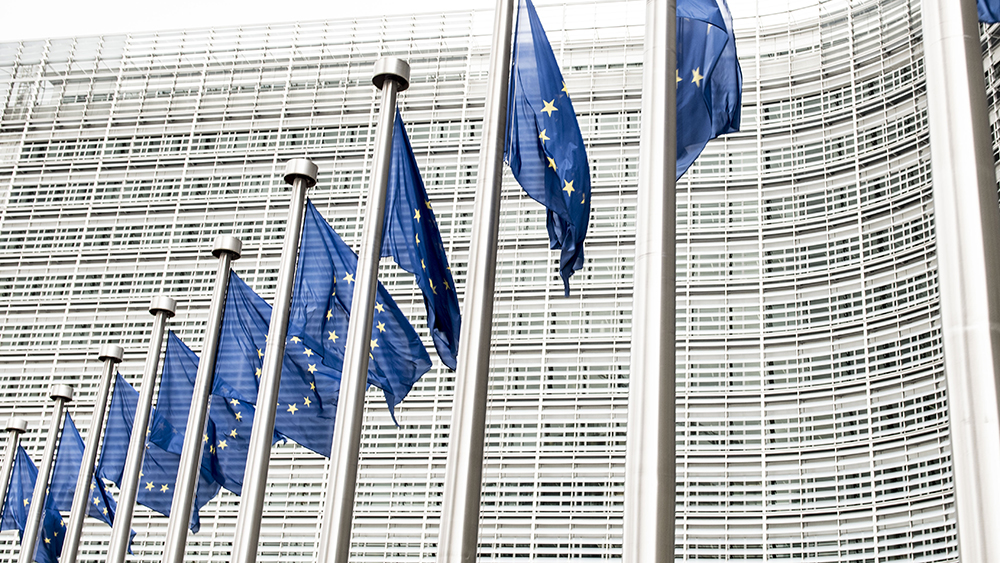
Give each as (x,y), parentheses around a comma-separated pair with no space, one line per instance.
(812,416)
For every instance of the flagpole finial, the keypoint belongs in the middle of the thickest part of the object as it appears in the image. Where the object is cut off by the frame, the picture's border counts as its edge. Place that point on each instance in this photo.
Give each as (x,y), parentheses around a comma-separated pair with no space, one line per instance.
(112,352)
(301,168)
(164,304)
(391,67)
(61,391)
(230,244)
(16,424)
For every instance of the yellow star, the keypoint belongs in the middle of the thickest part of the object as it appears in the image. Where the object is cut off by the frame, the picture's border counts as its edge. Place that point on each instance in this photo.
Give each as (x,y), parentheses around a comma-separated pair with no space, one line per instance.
(696,77)
(234,402)
(239,416)
(105,512)
(164,488)
(26,501)
(92,486)
(308,352)
(56,534)
(222,445)
(311,368)
(427,204)
(257,373)
(446,286)
(679,79)
(549,107)
(417,238)
(233,433)
(333,335)
(416,215)
(434,289)
(312,385)
(292,408)
(306,401)
(552,163)
(329,314)
(564,88)
(259,353)
(422,265)
(267,338)
(296,339)
(568,188)
(349,278)
(211,449)
(149,485)
(543,136)
(379,307)
(204,438)
(97,501)
(380,326)
(47,540)
(374,343)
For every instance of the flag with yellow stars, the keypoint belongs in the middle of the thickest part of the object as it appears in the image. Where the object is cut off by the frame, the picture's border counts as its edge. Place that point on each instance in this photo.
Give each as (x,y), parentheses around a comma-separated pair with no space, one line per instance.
(321,306)
(305,412)
(544,146)
(159,466)
(410,235)
(989,11)
(66,471)
(18,503)
(709,81)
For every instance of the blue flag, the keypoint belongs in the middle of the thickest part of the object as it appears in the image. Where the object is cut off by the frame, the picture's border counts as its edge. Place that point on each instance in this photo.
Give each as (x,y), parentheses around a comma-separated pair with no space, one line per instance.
(709,79)
(62,486)
(159,466)
(18,503)
(989,10)
(227,431)
(302,414)
(544,146)
(321,307)
(410,235)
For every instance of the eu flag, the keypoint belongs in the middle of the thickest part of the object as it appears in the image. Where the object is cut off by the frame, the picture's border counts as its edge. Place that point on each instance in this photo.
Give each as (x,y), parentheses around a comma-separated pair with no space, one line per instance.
(227,430)
(709,80)
(989,11)
(66,471)
(302,415)
(18,503)
(159,466)
(410,235)
(321,306)
(544,146)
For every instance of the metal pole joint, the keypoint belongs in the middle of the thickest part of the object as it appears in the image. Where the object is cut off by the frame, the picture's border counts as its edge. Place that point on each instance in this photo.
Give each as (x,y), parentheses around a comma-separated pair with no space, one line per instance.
(301,168)
(229,244)
(163,304)
(111,353)
(61,391)
(393,68)
(16,424)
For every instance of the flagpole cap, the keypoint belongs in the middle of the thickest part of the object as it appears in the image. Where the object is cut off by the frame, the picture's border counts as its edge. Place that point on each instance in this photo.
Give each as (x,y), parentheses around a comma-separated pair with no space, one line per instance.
(301,168)
(112,352)
(391,67)
(163,304)
(61,391)
(16,424)
(230,244)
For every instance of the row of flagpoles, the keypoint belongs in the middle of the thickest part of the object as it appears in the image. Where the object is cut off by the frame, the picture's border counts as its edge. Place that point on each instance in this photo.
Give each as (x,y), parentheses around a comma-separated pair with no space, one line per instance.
(299,371)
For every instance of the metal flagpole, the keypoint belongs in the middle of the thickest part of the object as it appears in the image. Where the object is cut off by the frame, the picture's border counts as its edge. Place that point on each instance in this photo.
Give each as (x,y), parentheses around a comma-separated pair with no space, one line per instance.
(227,248)
(648,527)
(459,531)
(111,354)
(15,426)
(968,253)
(62,394)
(392,75)
(301,174)
(162,307)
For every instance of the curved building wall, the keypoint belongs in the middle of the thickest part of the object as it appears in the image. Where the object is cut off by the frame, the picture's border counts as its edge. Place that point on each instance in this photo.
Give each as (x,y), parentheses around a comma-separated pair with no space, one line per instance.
(812,420)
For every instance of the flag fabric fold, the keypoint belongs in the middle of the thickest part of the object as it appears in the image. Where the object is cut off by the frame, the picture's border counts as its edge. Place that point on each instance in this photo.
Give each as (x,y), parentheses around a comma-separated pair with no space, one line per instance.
(66,471)
(709,80)
(18,503)
(989,10)
(544,147)
(321,307)
(410,235)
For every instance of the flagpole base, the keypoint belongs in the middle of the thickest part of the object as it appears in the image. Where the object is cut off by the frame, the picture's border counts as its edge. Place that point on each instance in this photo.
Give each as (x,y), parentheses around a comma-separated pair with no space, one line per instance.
(396,69)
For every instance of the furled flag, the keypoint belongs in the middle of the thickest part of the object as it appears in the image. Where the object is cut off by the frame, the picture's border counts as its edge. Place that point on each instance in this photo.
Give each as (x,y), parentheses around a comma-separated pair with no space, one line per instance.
(544,146)
(709,79)
(321,306)
(989,10)
(227,431)
(302,416)
(410,235)
(62,487)
(18,503)
(159,466)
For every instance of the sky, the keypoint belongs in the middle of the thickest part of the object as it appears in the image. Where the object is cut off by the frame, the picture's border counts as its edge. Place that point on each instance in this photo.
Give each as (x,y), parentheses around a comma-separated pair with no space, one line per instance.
(67,18)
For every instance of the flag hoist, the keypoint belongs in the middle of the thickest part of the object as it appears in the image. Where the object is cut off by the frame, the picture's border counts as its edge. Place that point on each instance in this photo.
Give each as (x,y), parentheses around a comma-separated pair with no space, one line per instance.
(301,174)
(15,427)
(227,249)
(111,355)
(392,76)
(61,394)
(162,308)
